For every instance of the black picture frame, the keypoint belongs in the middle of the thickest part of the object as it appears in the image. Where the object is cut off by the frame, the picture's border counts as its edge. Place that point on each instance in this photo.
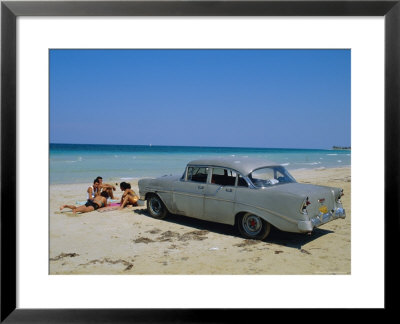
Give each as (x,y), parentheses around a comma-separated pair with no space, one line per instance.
(10,10)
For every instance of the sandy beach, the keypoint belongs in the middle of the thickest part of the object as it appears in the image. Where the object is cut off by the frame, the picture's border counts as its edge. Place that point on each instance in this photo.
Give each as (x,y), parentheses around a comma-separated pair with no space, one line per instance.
(130,242)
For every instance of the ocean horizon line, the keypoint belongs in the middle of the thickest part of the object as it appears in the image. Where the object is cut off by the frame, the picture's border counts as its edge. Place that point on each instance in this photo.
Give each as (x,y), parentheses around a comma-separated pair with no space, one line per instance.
(201,146)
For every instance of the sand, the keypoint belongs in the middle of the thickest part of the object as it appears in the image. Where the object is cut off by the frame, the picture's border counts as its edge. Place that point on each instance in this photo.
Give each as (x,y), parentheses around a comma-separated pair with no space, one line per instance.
(130,242)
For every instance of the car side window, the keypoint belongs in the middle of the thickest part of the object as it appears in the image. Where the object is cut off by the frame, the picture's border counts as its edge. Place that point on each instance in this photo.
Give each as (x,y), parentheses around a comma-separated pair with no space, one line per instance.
(223,177)
(242,182)
(197,174)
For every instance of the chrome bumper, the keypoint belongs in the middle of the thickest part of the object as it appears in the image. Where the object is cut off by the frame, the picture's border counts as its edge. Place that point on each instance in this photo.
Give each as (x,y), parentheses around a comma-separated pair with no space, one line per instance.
(316,221)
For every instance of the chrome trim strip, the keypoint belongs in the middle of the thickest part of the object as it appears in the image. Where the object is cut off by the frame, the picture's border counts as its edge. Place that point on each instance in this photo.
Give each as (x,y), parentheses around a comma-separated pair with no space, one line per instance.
(186,194)
(219,199)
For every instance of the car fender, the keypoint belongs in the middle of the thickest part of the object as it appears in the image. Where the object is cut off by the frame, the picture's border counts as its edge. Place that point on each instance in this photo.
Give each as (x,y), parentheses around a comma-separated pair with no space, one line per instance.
(279,221)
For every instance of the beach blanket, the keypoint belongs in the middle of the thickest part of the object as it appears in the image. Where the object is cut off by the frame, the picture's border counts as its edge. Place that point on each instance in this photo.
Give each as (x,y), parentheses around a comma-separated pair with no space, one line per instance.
(114,204)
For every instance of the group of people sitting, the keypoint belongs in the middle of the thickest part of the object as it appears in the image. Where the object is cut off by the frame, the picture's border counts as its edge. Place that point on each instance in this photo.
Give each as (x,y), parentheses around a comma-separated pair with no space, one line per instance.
(99,193)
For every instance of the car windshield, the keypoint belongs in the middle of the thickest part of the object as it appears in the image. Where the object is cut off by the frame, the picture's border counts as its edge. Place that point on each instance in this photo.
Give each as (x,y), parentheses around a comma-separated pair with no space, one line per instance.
(270,176)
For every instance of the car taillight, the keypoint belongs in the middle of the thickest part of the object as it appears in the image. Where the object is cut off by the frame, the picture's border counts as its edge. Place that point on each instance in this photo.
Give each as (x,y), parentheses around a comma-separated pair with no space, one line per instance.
(304,207)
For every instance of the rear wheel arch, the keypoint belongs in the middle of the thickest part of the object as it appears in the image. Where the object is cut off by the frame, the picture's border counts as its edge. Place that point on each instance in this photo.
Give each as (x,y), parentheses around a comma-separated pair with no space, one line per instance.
(241,213)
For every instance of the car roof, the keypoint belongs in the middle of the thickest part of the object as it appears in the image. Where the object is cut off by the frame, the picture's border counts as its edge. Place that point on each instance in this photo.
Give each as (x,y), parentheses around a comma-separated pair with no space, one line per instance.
(242,164)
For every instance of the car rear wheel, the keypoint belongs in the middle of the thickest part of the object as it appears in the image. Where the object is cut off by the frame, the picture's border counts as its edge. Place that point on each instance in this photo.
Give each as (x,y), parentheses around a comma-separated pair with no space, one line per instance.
(253,227)
(156,207)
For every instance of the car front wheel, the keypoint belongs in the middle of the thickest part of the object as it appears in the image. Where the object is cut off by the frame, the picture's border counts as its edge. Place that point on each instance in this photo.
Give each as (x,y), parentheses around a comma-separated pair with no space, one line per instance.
(156,207)
(253,227)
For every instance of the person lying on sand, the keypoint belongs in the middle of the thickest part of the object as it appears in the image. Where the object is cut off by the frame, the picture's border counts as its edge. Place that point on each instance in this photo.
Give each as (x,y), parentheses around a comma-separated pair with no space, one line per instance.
(106,187)
(129,197)
(91,205)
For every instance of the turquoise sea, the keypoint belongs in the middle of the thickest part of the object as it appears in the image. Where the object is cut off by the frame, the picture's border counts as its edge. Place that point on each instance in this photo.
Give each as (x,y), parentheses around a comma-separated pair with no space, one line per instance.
(81,163)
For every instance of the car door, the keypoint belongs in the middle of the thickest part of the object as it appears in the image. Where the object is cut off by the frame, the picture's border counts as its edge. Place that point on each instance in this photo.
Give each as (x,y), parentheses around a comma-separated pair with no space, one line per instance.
(219,197)
(188,193)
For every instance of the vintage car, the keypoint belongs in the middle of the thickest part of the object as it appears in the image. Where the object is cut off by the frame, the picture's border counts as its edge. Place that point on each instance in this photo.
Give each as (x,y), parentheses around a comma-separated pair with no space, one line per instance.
(248,193)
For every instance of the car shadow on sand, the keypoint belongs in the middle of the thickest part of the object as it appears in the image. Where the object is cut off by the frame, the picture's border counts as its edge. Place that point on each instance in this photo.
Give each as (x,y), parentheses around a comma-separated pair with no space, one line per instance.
(197,224)
(291,240)
(294,240)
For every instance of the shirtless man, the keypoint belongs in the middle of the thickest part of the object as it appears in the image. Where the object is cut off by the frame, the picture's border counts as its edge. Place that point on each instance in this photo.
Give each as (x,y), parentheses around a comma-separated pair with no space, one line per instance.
(106,187)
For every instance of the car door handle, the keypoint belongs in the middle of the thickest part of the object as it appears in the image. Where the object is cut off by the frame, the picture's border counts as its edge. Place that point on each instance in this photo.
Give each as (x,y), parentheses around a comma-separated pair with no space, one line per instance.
(200,187)
(228,190)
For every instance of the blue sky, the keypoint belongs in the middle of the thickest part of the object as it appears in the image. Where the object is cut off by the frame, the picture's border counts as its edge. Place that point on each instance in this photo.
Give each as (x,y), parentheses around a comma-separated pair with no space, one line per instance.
(238,98)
